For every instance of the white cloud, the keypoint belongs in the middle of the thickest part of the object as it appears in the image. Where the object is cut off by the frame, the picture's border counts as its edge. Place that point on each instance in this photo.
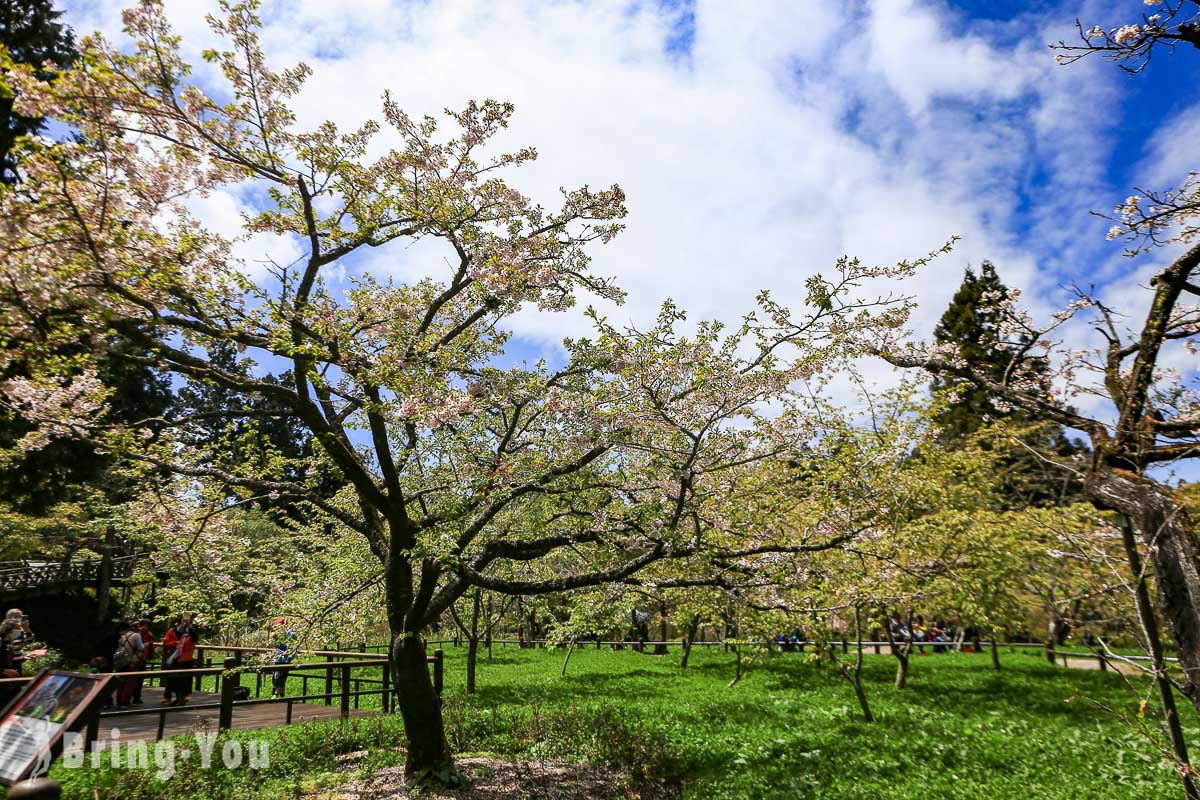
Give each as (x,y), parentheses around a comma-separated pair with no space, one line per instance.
(1172,151)
(787,135)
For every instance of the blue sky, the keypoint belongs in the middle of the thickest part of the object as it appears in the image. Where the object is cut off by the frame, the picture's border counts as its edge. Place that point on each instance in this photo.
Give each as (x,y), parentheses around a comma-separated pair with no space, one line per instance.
(760,140)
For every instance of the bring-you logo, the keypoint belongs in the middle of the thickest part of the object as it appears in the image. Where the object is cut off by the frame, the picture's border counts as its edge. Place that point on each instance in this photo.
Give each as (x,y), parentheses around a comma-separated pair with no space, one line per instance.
(164,756)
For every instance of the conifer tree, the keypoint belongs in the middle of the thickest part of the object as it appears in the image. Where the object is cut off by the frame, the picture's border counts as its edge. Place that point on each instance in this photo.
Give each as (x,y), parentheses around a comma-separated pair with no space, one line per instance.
(971,324)
(32,34)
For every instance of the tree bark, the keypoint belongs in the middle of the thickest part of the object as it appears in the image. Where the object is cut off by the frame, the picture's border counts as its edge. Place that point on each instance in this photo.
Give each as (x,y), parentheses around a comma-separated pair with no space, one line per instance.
(687,644)
(1165,691)
(567,660)
(901,670)
(104,579)
(737,661)
(491,621)
(901,650)
(854,674)
(428,751)
(1166,531)
(660,649)
(995,653)
(1051,626)
(473,642)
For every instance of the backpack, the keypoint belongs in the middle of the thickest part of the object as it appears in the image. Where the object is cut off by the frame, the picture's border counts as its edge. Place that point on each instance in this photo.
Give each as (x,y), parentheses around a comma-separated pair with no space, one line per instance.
(123,656)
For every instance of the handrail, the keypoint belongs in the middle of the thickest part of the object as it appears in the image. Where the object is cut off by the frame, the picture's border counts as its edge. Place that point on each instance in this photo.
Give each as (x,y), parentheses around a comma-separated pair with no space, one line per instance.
(24,574)
(228,648)
(228,679)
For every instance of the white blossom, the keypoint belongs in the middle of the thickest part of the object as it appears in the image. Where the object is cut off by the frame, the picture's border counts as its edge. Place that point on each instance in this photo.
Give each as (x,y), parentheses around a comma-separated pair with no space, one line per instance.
(1127,34)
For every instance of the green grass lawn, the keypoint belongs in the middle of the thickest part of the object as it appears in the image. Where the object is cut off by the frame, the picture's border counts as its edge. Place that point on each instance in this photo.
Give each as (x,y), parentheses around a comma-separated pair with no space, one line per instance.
(790,728)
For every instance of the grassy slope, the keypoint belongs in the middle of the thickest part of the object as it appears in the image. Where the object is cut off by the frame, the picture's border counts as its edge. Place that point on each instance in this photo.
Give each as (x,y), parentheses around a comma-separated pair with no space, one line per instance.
(788,729)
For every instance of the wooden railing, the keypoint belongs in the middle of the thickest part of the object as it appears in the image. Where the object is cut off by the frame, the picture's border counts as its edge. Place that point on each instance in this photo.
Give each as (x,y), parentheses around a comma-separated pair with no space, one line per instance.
(18,575)
(338,668)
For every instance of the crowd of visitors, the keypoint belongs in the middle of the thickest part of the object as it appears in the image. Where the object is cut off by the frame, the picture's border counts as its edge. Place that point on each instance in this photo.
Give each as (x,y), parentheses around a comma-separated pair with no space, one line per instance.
(793,641)
(136,647)
(941,635)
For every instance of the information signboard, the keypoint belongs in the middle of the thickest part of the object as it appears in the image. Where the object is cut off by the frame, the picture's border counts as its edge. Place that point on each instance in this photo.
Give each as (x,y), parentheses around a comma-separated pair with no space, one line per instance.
(33,724)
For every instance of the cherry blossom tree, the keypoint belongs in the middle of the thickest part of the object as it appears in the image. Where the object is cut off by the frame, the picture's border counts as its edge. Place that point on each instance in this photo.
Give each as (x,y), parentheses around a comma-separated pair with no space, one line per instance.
(461,470)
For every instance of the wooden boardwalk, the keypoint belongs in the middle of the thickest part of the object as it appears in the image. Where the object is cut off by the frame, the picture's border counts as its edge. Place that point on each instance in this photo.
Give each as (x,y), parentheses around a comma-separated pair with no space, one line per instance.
(144,727)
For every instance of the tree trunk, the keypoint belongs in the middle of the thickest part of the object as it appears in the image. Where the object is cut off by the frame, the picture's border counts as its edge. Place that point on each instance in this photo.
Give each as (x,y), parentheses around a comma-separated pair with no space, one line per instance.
(1165,691)
(521,642)
(901,670)
(428,750)
(1051,626)
(995,653)
(737,660)
(901,650)
(104,580)
(1166,532)
(567,660)
(687,645)
(472,660)
(491,621)
(854,675)
(660,649)
(861,694)
(473,640)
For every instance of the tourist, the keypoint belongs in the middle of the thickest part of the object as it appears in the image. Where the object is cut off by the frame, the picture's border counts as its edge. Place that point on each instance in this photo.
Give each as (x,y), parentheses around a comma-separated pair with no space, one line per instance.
(938,636)
(182,643)
(283,655)
(128,657)
(19,638)
(143,629)
(919,634)
(8,661)
(169,643)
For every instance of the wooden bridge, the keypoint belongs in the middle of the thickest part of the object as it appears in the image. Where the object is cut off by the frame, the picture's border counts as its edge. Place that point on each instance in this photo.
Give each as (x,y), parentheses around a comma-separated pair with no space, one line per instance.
(27,578)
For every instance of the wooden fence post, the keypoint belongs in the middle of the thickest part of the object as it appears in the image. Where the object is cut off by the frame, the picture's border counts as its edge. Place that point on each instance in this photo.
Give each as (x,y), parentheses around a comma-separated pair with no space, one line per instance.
(329,681)
(92,731)
(203,662)
(385,696)
(345,714)
(229,682)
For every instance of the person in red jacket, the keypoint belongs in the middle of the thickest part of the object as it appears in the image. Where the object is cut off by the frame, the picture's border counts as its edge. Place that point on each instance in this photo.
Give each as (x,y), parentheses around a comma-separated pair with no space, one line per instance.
(169,643)
(180,651)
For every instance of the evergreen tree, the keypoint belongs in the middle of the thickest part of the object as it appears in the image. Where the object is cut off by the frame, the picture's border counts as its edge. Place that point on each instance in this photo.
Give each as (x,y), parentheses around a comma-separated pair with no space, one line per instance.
(32,34)
(251,429)
(971,325)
